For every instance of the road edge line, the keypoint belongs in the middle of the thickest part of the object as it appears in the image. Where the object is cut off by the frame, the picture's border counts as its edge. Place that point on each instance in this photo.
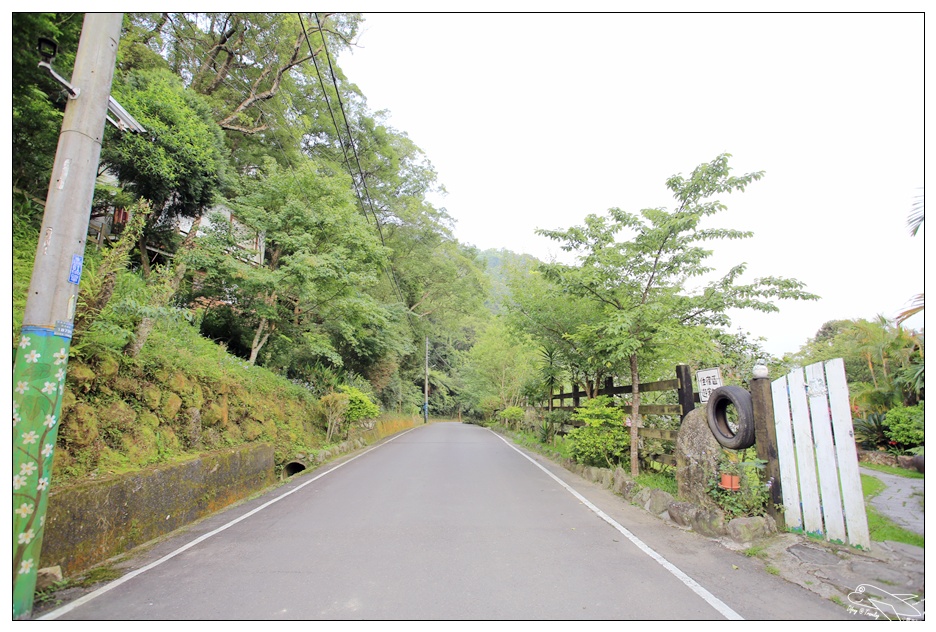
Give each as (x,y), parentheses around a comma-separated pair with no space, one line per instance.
(690,583)
(54,614)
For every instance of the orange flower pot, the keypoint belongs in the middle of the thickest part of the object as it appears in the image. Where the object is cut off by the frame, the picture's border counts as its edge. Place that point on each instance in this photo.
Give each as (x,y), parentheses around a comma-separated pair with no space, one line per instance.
(731,482)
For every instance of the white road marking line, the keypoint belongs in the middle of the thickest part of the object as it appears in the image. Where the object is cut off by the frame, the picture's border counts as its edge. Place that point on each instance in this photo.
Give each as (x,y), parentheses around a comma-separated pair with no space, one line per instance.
(692,584)
(117,582)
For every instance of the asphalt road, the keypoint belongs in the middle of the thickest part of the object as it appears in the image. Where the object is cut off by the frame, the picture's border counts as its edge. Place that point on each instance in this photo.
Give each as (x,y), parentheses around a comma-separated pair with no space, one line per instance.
(444,522)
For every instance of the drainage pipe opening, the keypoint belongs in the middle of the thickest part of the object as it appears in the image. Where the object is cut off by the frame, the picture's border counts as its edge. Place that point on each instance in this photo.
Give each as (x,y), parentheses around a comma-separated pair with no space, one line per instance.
(292,468)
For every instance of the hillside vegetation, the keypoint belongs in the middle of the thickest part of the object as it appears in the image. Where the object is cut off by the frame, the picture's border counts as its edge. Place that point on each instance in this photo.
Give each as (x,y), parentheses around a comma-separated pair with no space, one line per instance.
(245,280)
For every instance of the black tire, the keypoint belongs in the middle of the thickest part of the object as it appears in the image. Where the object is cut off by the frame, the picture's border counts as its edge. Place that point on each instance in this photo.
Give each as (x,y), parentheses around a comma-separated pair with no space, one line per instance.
(716,408)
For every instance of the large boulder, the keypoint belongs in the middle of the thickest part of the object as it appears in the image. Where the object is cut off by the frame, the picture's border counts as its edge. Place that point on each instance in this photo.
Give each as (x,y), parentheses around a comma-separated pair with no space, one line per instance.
(697,453)
(622,483)
(656,501)
(709,522)
(747,529)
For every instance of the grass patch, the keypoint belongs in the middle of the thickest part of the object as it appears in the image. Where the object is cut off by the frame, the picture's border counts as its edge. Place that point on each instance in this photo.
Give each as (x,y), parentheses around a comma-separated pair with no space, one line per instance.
(561,446)
(890,469)
(871,486)
(557,447)
(881,528)
(665,480)
(94,576)
(98,575)
(773,570)
(755,551)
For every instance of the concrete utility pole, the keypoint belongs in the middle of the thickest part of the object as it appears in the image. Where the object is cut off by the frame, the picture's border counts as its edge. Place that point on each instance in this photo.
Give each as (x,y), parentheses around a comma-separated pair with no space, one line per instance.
(48,320)
(426,386)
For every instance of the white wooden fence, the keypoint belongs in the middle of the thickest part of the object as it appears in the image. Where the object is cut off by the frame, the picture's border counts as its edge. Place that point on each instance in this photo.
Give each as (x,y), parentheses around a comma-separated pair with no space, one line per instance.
(819,472)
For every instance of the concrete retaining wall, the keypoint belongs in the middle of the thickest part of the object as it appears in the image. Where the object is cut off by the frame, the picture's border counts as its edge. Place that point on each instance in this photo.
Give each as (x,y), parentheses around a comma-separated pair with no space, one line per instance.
(92,522)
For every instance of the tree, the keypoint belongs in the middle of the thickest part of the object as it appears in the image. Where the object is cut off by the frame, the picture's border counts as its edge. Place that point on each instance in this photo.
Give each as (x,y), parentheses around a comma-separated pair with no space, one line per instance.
(888,351)
(642,282)
(319,257)
(500,365)
(550,317)
(883,361)
(258,71)
(38,99)
(240,60)
(178,164)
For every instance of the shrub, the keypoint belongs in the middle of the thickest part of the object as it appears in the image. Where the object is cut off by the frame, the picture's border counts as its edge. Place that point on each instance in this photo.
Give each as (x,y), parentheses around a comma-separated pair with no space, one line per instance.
(598,412)
(600,447)
(604,440)
(360,406)
(904,425)
(511,416)
(558,417)
(489,406)
(871,432)
(334,407)
(752,498)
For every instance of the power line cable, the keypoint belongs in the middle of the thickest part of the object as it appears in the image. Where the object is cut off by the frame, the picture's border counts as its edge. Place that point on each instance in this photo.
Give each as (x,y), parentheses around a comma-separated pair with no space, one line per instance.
(391,273)
(331,112)
(344,116)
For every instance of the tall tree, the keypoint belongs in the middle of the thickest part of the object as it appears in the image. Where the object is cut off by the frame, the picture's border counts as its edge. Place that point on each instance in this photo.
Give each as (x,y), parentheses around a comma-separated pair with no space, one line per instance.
(39,100)
(642,282)
(260,72)
(319,257)
(501,365)
(551,317)
(177,165)
(915,223)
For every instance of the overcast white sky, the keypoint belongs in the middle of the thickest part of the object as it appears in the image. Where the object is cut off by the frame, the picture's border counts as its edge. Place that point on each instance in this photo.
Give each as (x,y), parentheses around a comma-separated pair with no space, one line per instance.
(537,120)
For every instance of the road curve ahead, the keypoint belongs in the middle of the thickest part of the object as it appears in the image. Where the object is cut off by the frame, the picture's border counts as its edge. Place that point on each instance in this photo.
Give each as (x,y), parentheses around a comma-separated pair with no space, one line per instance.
(444,522)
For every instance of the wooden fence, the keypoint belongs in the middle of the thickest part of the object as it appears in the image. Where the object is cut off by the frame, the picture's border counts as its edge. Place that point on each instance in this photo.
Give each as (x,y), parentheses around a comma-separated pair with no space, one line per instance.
(682,384)
(819,475)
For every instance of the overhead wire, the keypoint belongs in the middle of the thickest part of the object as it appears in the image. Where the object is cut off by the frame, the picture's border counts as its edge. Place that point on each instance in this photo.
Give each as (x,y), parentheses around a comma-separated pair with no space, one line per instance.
(291,133)
(342,143)
(344,116)
(390,272)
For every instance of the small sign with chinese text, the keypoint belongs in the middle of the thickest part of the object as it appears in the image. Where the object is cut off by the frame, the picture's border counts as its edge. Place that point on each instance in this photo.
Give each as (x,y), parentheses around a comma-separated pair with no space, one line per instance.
(709,380)
(74,274)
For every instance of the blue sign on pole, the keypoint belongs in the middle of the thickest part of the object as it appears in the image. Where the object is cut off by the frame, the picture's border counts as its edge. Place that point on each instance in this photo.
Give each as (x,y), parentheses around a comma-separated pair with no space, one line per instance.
(74,275)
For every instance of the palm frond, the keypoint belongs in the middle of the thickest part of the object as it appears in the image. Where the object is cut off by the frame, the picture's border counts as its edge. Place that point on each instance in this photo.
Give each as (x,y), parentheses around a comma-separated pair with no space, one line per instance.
(916,306)
(915,220)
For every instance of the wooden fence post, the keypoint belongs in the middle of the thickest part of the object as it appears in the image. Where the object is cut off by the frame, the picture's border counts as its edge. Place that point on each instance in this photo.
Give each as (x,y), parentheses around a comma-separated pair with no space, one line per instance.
(684,391)
(765,438)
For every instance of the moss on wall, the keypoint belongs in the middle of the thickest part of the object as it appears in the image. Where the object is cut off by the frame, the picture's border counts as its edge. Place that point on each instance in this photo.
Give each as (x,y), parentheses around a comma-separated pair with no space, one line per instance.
(91,522)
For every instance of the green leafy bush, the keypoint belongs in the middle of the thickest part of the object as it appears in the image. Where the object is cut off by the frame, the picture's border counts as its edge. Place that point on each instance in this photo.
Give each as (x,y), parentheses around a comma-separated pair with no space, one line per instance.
(604,440)
(598,412)
(904,425)
(360,406)
(600,447)
(752,497)
(511,416)
(489,406)
(558,417)
(334,408)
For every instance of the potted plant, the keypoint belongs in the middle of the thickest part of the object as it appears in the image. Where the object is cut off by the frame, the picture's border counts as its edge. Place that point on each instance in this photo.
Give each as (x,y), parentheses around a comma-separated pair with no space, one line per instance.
(730,473)
(736,485)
